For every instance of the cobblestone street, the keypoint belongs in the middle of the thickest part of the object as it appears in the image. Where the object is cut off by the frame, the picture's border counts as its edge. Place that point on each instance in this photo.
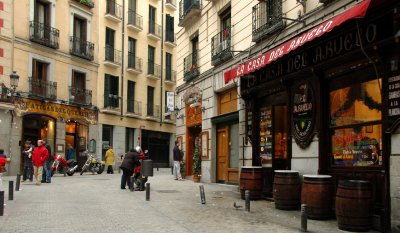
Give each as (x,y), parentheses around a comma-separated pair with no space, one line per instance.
(95,203)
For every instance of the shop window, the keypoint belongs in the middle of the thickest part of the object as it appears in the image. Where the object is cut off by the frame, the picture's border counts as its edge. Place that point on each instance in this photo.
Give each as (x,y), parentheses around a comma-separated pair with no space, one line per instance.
(355,124)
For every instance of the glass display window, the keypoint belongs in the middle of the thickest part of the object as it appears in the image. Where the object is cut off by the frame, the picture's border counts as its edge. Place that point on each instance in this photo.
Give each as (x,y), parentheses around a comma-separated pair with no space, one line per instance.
(355,124)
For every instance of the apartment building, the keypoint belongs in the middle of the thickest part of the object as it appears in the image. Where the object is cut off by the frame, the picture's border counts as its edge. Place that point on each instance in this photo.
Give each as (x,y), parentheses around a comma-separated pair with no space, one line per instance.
(52,65)
(137,78)
(285,85)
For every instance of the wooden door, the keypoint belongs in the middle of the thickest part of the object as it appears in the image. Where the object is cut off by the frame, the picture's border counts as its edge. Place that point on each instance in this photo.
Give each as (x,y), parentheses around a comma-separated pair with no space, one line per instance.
(222,154)
(189,152)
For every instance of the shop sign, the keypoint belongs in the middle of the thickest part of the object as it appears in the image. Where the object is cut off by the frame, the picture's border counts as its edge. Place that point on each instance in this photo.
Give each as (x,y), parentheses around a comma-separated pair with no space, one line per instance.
(393,89)
(170,101)
(279,51)
(58,111)
(303,114)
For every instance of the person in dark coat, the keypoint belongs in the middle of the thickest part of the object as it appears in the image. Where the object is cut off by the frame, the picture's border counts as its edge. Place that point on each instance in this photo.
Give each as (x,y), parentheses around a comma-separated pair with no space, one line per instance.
(128,166)
(47,166)
(27,158)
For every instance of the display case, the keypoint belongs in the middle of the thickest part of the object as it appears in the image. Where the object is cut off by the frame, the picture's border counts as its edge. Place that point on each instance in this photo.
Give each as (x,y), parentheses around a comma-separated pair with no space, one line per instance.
(266,138)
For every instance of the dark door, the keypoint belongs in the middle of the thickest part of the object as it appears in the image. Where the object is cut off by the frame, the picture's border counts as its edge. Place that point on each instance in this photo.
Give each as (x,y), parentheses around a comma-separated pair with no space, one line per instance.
(150,101)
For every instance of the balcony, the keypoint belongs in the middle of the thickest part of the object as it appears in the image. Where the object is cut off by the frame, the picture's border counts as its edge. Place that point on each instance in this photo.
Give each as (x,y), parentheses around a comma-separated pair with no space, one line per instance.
(88,3)
(42,89)
(81,48)
(170,4)
(44,35)
(153,71)
(188,11)
(170,75)
(112,57)
(113,11)
(135,64)
(135,21)
(170,39)
(4,97)
(80,96)
(154,31)
(112,104)
(267,19)
(221,47)
(191,69)
(133,108)
(153,112)
(169,116)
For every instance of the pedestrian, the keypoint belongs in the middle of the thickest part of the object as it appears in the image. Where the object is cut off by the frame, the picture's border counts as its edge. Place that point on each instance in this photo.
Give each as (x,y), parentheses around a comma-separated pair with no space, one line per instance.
(27,158)
(177,161)
(47,166)
(39,157)
(3,160)
(70,152)
(110,158)
(128,165)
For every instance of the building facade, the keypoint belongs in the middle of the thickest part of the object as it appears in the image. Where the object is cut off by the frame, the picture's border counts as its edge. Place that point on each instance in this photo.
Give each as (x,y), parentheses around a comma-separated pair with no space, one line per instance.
(53,53)
(310,85)
(136,77)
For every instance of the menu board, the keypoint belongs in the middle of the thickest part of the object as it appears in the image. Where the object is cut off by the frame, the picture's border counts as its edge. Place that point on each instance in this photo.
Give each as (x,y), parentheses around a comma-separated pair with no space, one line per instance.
(249,120)
(266,136)
(394,97)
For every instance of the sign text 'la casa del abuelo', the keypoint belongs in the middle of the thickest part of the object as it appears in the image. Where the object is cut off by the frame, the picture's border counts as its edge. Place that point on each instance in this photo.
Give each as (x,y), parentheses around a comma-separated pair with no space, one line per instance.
(26,106)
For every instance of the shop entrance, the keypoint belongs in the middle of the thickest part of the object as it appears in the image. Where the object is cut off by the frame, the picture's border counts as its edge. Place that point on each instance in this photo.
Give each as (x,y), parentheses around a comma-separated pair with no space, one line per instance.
(273,143)
(76,138)
(37,127)
(193,132)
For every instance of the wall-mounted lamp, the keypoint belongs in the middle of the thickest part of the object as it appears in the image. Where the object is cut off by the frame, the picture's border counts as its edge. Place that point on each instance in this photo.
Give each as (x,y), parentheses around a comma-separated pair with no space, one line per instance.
(14,79)
(176,110)
(203,109)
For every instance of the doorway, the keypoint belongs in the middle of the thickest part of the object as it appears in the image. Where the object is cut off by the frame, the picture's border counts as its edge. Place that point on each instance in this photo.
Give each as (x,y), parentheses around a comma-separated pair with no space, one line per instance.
(193,132)
(273,138)
(37,127)
(76,136)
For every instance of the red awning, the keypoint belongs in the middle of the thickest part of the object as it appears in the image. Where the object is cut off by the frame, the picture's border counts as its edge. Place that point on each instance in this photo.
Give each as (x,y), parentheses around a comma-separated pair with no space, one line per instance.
(357,11)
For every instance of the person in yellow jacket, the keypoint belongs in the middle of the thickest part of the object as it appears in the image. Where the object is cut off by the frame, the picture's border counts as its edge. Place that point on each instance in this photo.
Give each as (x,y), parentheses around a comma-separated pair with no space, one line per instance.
(110,158)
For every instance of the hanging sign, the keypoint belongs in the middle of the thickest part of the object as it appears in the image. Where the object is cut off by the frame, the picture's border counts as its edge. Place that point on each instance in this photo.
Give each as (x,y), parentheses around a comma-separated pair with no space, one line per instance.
(303,114)
(170,101)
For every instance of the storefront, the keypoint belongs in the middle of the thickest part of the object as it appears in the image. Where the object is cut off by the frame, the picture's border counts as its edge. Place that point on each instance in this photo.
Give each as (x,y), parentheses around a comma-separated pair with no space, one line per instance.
(328,104)
(61,125)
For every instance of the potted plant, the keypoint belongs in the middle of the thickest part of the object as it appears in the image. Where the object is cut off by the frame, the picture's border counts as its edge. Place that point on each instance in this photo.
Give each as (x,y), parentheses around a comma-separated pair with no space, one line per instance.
(196,161)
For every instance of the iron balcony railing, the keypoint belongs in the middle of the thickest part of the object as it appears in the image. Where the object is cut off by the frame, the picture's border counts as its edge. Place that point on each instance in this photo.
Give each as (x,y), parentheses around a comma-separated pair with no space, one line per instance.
(114,9)
(81,48)
(186,6)
(44,35)
(153,69)
(154,29)
(111,101)
(168,114)
(112,55)
(170,37)
(267,18)
(88,3)
(135,19)
(80,96)
(134,106)
(170,75)
(221,47)
(42,89)
(191,69)
(134,62)
(5,93)
(153,110)
(172,2)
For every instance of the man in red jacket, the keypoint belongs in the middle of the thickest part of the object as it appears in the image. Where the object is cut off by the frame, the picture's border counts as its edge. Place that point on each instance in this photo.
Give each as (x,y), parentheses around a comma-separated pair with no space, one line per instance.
(39,156)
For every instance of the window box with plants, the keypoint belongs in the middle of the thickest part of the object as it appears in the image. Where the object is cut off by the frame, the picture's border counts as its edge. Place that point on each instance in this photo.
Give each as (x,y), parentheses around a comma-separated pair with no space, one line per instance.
(88,3)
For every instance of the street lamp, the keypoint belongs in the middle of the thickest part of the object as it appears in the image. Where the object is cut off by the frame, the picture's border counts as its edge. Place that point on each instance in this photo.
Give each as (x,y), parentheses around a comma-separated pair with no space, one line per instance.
(14,78)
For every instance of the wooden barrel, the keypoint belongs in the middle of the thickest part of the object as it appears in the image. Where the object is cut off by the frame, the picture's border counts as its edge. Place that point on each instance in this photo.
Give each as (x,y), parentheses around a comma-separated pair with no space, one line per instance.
(287,190)
(354,205)
(251,178)
(317,194)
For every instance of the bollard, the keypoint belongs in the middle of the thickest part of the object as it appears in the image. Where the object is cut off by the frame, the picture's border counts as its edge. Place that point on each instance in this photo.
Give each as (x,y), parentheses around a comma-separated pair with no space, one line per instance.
(132,183)
(10,190)
(304,217)
(147,191)
(172,170)
(17,182)
(202,194)
(1,203)
(247,198)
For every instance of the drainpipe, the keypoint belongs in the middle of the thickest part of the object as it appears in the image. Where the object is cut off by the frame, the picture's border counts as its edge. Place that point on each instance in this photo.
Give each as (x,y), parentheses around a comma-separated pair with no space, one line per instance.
(162,62)
(123,58)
